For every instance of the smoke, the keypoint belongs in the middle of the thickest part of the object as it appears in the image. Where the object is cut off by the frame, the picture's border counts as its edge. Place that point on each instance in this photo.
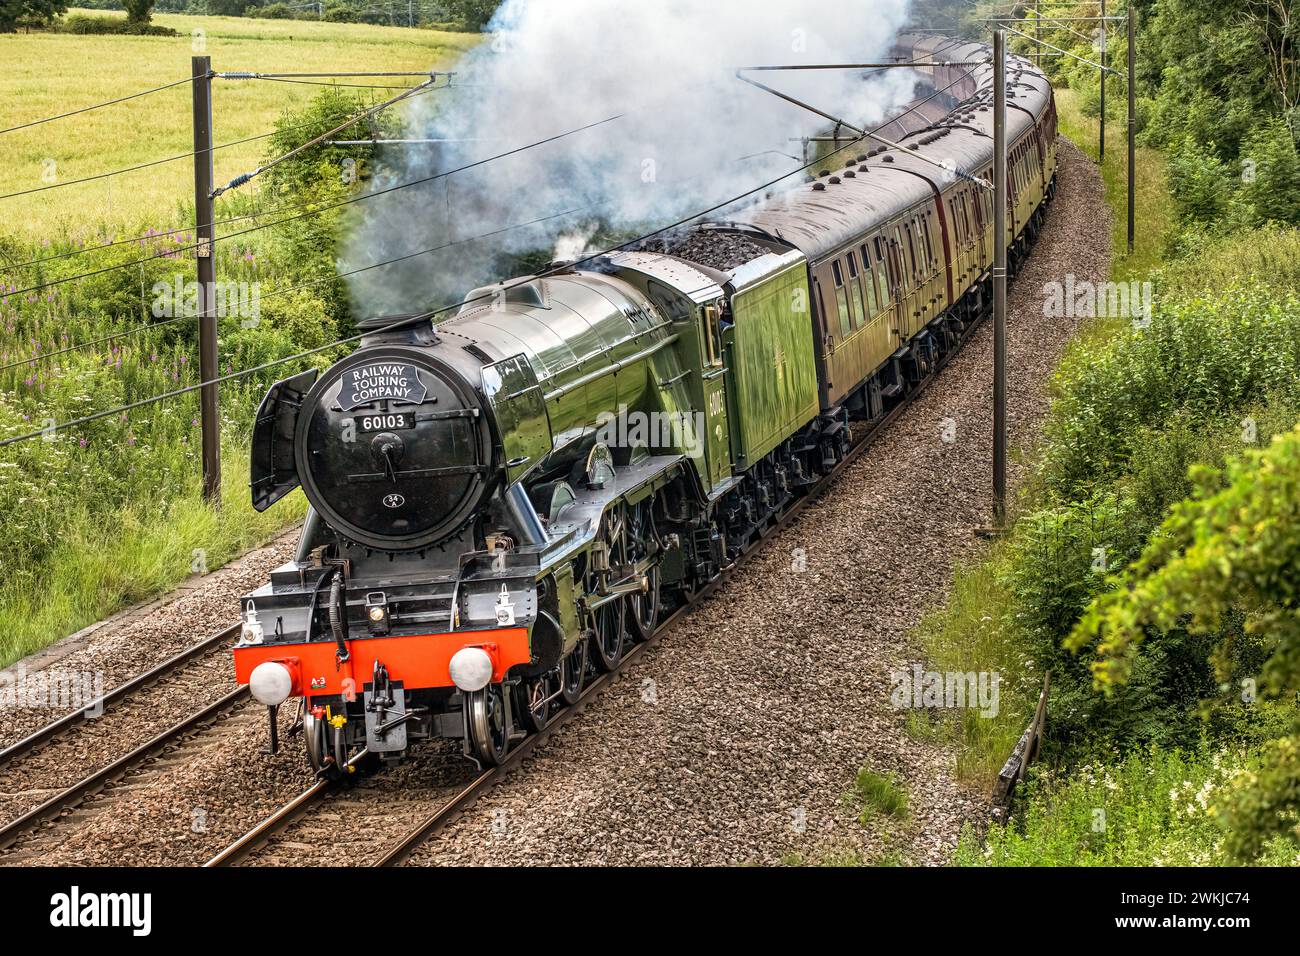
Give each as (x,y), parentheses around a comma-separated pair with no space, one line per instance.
(689,133)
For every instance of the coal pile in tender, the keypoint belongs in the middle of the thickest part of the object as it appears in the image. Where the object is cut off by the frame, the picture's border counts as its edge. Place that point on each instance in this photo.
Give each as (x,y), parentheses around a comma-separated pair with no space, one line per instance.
(714,248)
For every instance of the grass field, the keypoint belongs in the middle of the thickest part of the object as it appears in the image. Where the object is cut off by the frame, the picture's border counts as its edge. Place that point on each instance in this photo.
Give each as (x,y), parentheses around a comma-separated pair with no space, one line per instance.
(47,73)
(1154,208)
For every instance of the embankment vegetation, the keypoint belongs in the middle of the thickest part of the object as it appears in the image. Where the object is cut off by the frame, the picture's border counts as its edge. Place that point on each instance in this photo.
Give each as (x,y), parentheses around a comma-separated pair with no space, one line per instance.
(1153,564)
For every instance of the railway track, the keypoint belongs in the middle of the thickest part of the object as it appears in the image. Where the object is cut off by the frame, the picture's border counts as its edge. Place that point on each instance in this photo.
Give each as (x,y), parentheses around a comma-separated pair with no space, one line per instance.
(245,849)
(121,702)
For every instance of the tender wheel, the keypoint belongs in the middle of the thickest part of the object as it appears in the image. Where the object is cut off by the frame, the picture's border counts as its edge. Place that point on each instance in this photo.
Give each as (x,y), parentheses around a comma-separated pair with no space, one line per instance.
(537,699)
(573,672)
(488,725)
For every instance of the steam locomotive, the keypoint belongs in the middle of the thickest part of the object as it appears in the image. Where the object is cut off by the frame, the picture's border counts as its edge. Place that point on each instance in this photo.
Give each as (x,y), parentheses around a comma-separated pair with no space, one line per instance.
(502,503)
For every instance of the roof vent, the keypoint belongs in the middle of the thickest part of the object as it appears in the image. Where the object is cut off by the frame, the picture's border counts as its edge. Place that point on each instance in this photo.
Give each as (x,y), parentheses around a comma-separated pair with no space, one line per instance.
(824,173)
(834,180)
(862,169)
(819,187)
(889,159)
(850,174)
(861,159)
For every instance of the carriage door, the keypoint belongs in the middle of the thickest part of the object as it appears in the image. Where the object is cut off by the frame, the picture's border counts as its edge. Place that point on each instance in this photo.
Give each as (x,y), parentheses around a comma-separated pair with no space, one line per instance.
(909,300)
(714,376)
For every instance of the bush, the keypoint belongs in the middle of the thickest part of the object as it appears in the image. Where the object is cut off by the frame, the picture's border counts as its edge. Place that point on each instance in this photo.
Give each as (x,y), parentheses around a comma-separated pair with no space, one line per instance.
(87,25)
(1226,567)
(1207,357)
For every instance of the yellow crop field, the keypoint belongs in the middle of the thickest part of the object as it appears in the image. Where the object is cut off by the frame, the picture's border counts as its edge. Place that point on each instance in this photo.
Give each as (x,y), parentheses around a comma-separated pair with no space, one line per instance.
(48,73)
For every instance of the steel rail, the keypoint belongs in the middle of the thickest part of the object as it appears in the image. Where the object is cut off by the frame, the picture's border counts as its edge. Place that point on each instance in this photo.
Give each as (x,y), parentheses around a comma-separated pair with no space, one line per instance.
(72,795)
(100,704)
(277,821)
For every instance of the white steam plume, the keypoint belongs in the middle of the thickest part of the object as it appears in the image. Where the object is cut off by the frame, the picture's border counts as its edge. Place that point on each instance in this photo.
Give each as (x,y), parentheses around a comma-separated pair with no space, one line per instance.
(691,134)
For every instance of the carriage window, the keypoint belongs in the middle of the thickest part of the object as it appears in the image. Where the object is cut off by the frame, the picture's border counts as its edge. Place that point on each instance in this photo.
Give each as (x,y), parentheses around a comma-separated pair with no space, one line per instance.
(882,280)
(911,253)
(869,284)
(842,298)
(855,292)
(929,244)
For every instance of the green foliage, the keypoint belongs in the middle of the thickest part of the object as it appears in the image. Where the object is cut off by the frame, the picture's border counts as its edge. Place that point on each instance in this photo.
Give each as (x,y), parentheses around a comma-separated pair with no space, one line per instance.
(1234,546)
(1216,88)
(1262,185)
(1060,555)
(471,14)
(1263,259)
(1269,176)
(1206,357)
(1136,411)
(1200,183)
(319,177)
(83,25)
(29,13)
(341,13)
(878,793)
(1219,68)
(138,12)
(1154,807)
(274,11)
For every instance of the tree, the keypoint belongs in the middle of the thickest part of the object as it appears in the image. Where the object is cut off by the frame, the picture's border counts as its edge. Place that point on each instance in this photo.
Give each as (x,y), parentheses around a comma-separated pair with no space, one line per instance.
(138,12)
(229,8)
(1233,547)
(14,12)
(472,14)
